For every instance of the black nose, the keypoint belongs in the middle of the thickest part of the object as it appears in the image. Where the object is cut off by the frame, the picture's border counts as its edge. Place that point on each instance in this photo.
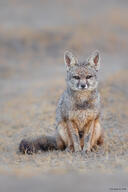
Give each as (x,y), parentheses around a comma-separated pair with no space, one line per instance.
(83,86)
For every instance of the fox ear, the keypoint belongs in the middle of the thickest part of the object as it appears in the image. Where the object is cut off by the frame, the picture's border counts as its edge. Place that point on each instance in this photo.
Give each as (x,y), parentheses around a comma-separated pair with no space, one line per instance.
(94,60)
(69,59)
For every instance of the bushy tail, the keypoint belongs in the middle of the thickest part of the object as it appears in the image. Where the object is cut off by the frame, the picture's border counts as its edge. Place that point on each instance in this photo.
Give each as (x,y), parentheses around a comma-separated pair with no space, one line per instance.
(43,143)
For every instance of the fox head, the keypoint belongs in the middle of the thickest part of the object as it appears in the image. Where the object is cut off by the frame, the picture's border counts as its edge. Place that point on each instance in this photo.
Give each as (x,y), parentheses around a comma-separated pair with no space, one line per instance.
(82,76)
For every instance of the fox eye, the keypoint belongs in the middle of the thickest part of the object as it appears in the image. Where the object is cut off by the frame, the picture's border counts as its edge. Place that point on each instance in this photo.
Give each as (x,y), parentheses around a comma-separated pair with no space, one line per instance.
(76,77)
(89,77)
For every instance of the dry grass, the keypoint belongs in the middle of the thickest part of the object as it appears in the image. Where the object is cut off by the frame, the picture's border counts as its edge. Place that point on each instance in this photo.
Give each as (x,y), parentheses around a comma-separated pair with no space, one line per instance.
(33,115)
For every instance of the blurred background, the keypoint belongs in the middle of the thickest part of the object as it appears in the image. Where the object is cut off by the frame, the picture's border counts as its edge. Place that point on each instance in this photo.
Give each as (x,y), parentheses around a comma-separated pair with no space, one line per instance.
(36,33)
(33,38)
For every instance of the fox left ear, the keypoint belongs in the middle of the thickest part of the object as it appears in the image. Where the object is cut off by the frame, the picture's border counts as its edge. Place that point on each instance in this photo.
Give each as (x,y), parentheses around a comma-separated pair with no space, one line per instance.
(94,60)
(69,59)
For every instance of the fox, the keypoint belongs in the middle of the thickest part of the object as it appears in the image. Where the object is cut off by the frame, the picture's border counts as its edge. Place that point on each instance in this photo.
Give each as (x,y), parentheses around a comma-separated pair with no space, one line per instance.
(78,112)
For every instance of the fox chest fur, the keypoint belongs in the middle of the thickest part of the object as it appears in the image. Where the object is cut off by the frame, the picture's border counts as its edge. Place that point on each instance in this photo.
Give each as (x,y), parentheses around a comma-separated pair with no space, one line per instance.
(80,110)
(83,110)
(81,117)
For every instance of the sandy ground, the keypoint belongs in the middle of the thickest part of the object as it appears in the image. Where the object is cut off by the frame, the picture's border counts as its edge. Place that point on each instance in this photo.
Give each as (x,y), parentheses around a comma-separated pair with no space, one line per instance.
(33,37)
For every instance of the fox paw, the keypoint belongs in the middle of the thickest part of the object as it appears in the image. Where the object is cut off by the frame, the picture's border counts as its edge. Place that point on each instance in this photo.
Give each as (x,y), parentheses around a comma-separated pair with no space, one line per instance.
(70,149)
(86,150)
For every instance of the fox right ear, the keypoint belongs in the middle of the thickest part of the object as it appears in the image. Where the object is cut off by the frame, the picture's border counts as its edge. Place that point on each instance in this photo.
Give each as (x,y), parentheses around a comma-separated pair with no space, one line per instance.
(69,59)
(94,60)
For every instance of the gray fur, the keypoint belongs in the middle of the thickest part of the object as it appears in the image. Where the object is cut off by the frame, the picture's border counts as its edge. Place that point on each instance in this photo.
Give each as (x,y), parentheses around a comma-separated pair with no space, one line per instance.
(81,99)
(78,110)
(75,97)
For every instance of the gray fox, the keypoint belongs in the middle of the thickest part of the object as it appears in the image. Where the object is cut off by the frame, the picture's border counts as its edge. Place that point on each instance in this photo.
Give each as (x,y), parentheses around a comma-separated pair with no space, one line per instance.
(78,111)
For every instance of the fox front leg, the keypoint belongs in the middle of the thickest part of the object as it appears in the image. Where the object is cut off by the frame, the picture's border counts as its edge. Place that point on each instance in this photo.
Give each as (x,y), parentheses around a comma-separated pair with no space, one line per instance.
(74,136)
(88,137)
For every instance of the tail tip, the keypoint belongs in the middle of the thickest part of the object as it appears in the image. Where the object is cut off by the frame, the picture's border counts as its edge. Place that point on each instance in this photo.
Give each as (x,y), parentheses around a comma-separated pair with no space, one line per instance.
(25,147)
